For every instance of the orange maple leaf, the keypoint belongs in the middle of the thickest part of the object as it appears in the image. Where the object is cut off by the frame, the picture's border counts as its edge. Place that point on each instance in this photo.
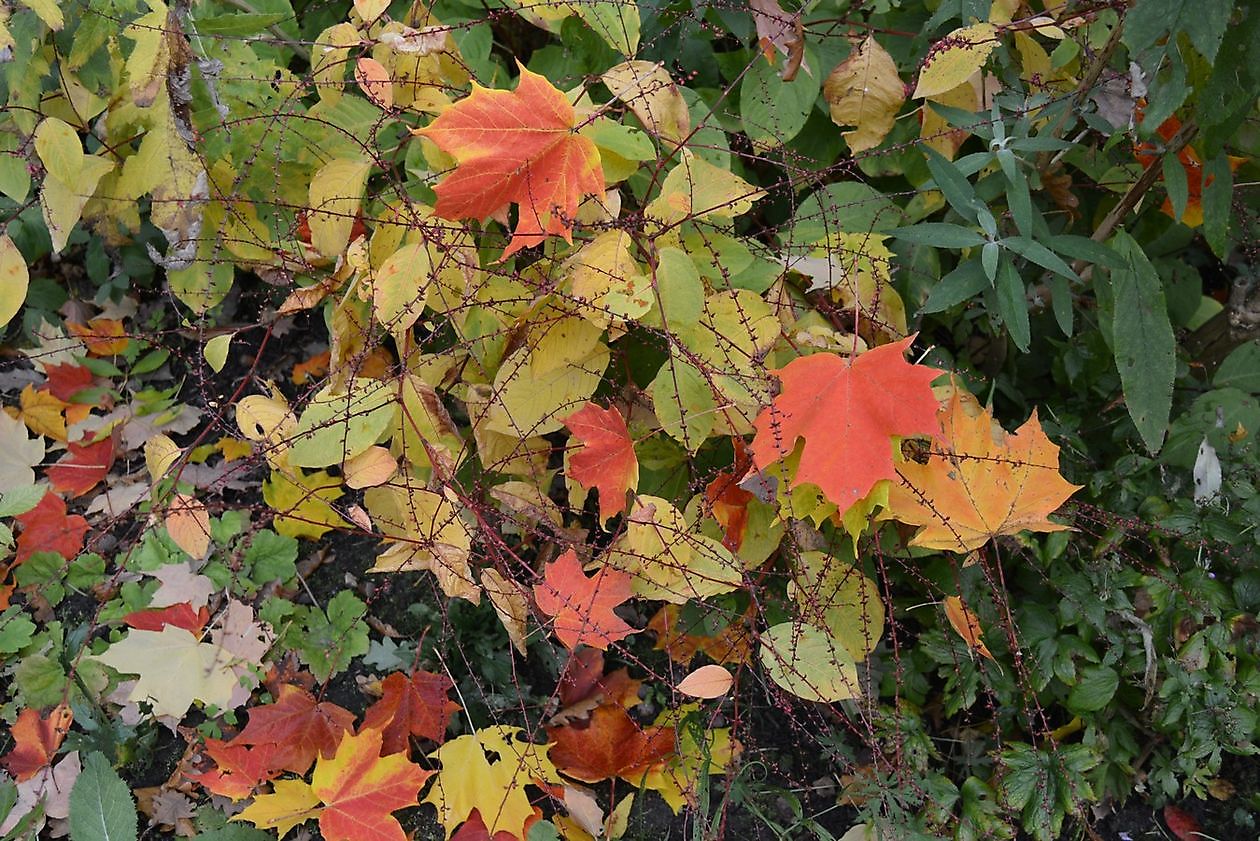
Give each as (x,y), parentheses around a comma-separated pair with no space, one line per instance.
(413,705)
(360,788)
(516,146)
(103,336)
(847,410)
(606,461)
(987,482)
(238,769)
(611,744)
(583,686)
(36,741)
(583,607)
(301,727)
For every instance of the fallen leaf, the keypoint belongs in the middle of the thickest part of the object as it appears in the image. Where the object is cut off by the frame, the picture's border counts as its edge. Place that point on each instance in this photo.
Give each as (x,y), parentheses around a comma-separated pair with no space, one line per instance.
(173,668)
(239,769)
(865,91)
(1183,825)
(18,454)
(610,744)
(469,780)
(47,528)
(43,413)
(36,739)
(300,728)
(102,336)
(606,460)
(188,523)
(583,686)
(180,615)
(66,380)
(520,146)
(732,645)
(847,410)
(706,682)
(423,531)
(291,802)
(180,585)
(987,482)
(581,607)
(411,705)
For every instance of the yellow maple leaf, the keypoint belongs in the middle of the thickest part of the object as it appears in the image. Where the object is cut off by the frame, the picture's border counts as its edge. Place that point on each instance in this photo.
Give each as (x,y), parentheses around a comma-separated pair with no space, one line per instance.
(43,413)
(496,790)
(987,482)
(291,802)
(424,531)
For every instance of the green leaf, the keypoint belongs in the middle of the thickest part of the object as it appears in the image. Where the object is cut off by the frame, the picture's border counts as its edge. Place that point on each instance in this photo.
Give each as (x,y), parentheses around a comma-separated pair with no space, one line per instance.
(101,808)
(1094,690)
(950,181)
(216,351)
(238,24)
(1143,342)
(1037,253)
(1216,203)
(271,557)
(1013,304)
(959,285)
(16,630)
(20,500)
(1203,22)
(336,427)
(684,402)
(940,235)
(774,111)
(1177,184)
(616,21)
(1241,369)
(846,206)
(1084,248)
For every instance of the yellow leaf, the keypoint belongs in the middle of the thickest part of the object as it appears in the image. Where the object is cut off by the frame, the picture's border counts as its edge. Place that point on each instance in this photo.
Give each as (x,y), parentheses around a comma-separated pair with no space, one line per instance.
(468,780)
(291,802)
(70,180)
(668,559)
(14,279)
(809,663)
(233,448)
(607,281)
(954,58)
(267,420)
(560,365)
(338,425)
(424,532)
(370,10)
(509,603)
(150,59)
(696,189)
(174,669)
(936,130)
(48,11)
(301,502)
(43,413)
(677,779)
(160,452)
(649,90)
(335,195)
(329,61)
(865,91)
(188,523)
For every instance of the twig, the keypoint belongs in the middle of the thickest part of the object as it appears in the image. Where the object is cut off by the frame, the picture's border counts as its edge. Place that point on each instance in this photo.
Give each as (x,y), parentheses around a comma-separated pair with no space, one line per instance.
(1145,181)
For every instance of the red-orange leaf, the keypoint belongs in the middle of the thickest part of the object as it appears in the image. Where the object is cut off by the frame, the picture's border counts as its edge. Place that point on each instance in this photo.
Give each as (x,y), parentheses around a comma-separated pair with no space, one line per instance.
(47,528)
(411,706)
(302,728)
(180,615)
(583,607)
(238,769)
(360,789)
(66,380)
(729,501)
(847,411)
(611,744)
(606,461)
(516,146)
(85,467)
(36,741)
(584,686)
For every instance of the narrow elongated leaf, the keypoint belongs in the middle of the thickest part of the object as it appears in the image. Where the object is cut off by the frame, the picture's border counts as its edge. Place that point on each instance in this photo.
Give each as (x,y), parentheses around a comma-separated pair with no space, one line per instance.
(1013,304)
(957,286)
(939,235)
(1143,342)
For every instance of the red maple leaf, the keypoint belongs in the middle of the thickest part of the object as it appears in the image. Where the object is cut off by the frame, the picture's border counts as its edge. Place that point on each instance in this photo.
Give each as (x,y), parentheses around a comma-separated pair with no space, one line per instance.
(583,607)
(847,410)
(606,461)
(47,528)
(516,146)
(238,769)
(36,740)
(301,728)
(411,706)
(85,467)
(180,615)
(475,829)
(66,380)
(611,744)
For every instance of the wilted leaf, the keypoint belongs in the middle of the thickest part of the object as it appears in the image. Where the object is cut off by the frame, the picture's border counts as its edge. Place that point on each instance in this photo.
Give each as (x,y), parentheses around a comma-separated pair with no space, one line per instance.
(865,91)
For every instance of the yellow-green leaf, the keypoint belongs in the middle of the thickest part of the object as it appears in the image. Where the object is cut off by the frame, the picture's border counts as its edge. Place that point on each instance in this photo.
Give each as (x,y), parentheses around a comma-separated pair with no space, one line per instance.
(49,11)
(809,663)
(338,426)
(400,287)
(216,351)
(14,279)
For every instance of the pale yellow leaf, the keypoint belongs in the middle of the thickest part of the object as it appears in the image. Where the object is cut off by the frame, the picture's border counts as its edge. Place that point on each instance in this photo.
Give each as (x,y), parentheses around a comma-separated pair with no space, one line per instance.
(160,452)
(374,466)
(49,11)
(370,10)
(649,90)
(18,454)
(400,287)
(509,603)
(216,351)
(173,668)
